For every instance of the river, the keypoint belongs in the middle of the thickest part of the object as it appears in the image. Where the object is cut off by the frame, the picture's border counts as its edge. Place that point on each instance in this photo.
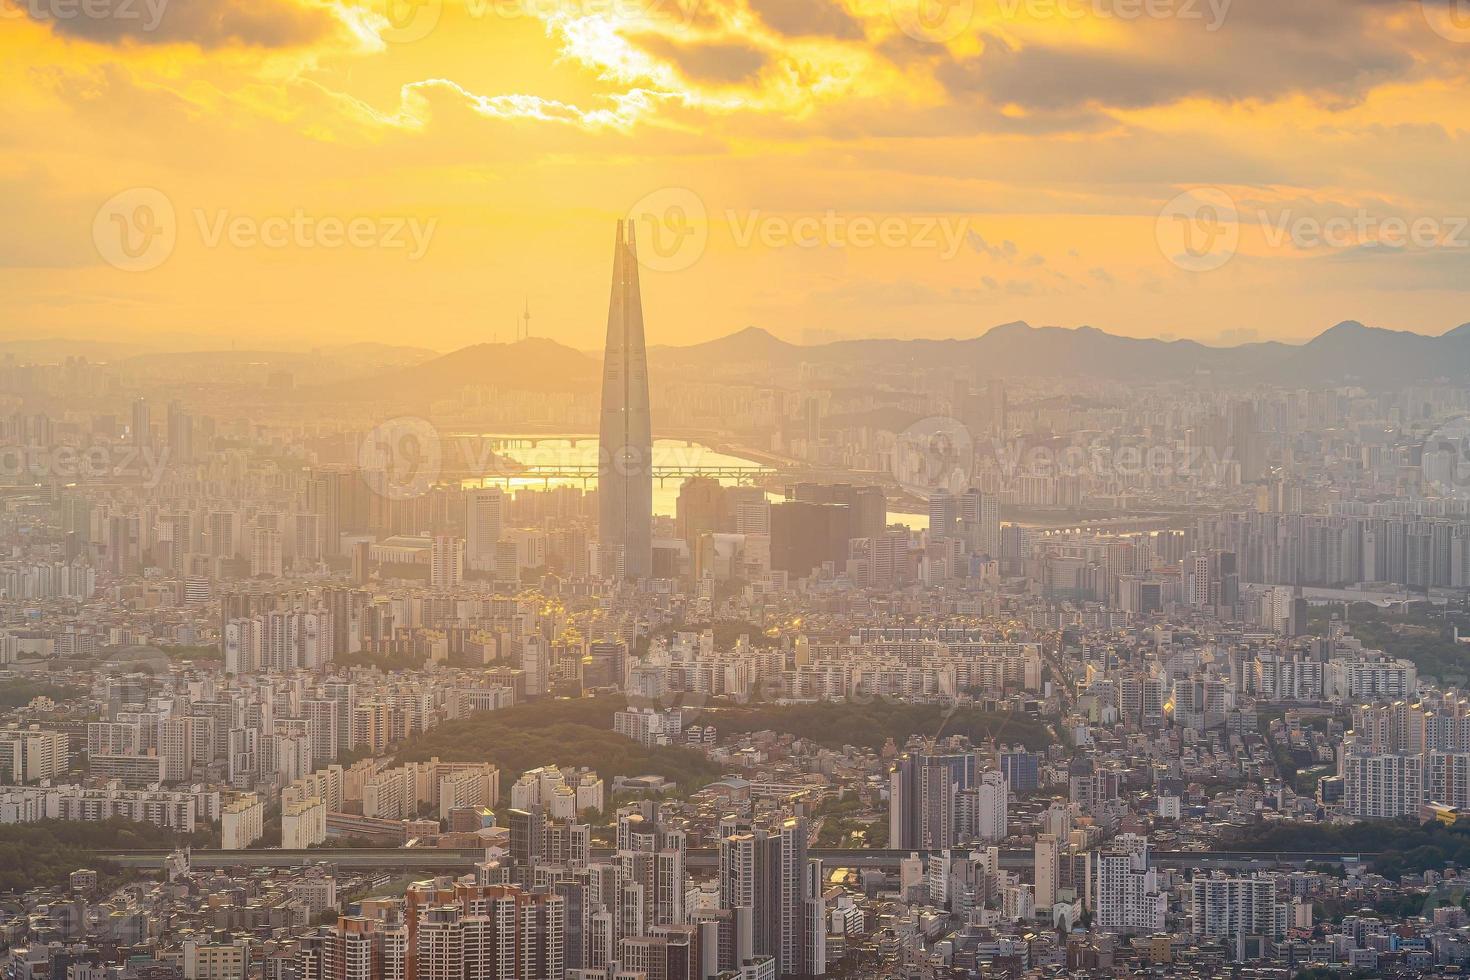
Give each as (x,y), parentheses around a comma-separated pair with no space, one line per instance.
(577,451)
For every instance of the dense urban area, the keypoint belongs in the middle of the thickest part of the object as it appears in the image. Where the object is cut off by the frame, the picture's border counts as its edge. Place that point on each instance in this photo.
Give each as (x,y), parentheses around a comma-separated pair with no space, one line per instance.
(378,665)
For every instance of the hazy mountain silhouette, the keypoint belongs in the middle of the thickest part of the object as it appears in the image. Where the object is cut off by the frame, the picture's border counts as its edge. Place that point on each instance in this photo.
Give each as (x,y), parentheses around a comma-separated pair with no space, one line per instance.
(537,364)
(750,344)
(1348,352)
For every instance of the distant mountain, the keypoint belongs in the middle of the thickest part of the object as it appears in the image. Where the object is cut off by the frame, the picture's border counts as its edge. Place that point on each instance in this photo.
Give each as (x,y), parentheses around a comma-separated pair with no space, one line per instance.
(536,364)
(1372,356)
(55,350)
(745,346)
(1348,352)
(326,365)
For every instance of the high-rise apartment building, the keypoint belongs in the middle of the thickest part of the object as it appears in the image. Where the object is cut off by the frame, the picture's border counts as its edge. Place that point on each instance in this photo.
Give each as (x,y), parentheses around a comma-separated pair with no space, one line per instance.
(938,801)
(1126,896)
(765,875)
(446,556)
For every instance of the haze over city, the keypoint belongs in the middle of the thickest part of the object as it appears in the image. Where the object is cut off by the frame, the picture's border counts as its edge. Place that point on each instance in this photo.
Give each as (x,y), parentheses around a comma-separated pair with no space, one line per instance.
(734,490)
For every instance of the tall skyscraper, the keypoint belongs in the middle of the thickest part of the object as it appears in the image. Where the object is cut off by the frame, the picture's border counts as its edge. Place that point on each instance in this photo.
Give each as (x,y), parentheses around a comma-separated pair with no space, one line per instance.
(625,452)
(180,433)
(142,427)
(484,524)
(979,522)
(943,513)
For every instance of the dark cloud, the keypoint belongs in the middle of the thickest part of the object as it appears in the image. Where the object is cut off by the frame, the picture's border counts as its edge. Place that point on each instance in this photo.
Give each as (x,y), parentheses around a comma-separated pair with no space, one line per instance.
(1006,251)
(804,18)
(1052,79)
(1229,51)
(206,23)
(721,63)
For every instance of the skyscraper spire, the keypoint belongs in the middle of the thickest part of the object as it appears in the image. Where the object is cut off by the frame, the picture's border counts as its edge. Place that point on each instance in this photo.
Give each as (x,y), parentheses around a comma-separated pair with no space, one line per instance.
(625,451)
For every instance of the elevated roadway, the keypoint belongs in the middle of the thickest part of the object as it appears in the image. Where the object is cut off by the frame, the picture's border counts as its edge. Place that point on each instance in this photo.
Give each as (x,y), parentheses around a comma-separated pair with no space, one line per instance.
(452,860)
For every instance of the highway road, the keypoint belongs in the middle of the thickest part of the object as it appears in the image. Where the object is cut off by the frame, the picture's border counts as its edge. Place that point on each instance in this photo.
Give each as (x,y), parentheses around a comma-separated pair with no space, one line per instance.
(449,860)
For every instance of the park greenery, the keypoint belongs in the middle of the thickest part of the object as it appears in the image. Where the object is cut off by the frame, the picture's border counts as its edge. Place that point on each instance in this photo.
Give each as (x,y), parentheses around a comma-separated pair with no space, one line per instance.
(43,854)
(1392,848)
(1425,637)
(192,652)
(869,724)
(578,732)
(18,693)
(557,732)
(848,823)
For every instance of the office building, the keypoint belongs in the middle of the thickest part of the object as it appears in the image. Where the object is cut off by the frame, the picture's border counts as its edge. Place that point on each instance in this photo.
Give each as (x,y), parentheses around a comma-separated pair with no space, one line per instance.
(625,448)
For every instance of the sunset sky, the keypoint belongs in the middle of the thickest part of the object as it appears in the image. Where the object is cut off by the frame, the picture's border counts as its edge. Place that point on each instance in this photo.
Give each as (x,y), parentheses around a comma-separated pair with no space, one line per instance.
(414,174)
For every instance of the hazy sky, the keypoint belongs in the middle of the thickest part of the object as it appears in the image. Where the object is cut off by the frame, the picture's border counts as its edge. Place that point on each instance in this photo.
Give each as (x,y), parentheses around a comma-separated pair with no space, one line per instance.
(297,172)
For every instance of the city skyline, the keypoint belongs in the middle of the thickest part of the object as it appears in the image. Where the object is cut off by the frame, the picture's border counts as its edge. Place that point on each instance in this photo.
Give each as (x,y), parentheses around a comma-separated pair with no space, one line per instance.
(1053,561)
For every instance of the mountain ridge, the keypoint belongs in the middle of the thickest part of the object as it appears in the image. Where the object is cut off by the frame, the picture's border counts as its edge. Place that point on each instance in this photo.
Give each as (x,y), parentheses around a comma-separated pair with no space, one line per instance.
(1347,352)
